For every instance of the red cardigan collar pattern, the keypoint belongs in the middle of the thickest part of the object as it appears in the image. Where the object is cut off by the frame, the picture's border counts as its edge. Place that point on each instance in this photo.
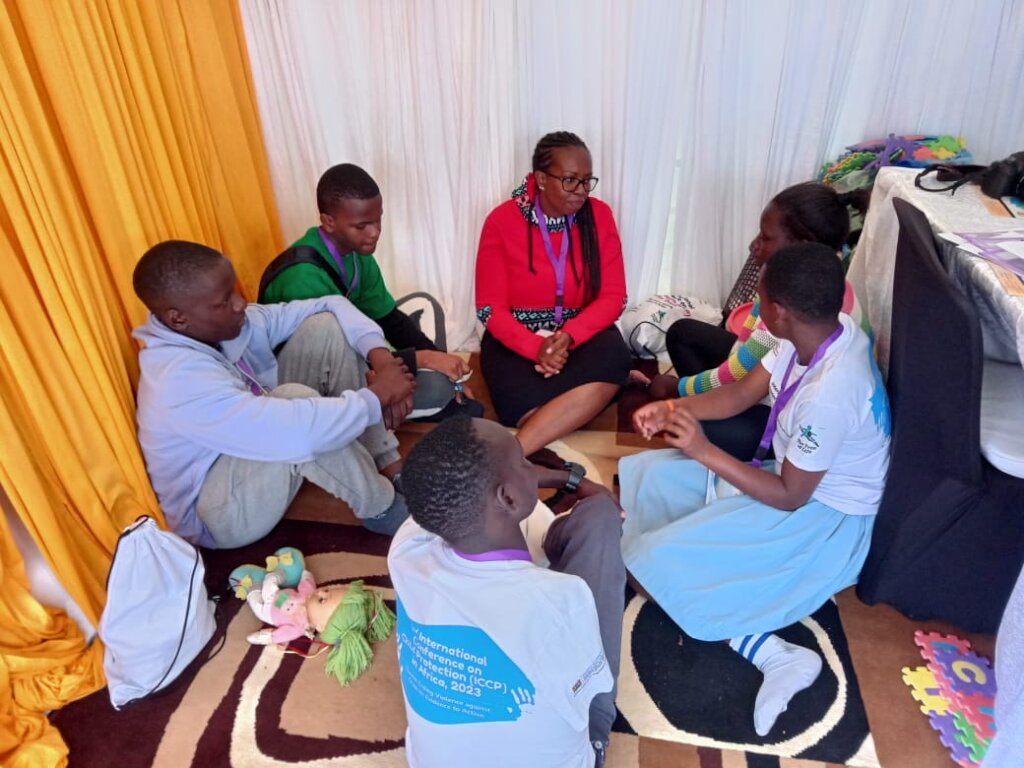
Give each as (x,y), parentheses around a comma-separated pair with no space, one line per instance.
(524,196)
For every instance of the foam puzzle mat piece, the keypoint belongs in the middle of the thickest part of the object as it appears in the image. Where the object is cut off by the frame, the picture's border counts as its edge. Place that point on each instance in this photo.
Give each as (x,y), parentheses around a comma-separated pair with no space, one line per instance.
(976,707)
(948,735)
(967,736)
(928,642)
(958,695)
(967,672)
(925,690)
(942,680)
(979,714)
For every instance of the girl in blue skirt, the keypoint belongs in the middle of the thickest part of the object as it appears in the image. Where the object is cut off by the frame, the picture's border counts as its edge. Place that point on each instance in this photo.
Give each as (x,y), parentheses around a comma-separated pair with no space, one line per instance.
(732,551)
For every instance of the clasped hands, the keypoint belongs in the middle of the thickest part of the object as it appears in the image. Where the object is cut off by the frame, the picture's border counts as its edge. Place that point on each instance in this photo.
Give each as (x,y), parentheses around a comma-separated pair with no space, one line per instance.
(391,382)
(673,419)
(553,354)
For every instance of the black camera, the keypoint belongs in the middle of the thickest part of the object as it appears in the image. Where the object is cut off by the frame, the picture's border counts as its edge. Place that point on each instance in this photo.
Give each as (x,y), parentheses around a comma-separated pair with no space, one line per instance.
(1004,177)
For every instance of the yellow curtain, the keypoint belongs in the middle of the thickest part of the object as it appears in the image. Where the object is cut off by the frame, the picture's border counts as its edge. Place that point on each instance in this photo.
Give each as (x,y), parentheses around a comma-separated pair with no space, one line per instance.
(121,124)
(43,664)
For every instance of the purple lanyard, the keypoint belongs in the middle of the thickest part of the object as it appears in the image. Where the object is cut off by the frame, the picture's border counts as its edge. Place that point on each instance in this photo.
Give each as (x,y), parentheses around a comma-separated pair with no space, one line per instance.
(495,554)
(254,386)
(786,394)
(557,264)
(333,250)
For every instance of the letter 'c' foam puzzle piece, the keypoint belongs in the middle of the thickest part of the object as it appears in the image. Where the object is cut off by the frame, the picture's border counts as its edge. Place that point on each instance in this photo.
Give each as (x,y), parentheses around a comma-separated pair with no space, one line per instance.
(968,674)
(956,691)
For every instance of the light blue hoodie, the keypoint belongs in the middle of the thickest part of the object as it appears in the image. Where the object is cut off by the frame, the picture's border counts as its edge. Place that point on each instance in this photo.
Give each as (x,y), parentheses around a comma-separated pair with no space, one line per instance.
(1008,745)
(194,403)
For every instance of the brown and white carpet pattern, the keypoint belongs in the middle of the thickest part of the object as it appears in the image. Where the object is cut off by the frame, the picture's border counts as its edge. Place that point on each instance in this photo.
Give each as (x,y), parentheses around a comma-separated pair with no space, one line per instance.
(683,703)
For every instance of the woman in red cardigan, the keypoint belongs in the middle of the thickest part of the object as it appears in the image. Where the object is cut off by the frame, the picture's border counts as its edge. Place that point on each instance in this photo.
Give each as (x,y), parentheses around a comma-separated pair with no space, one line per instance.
(551,356)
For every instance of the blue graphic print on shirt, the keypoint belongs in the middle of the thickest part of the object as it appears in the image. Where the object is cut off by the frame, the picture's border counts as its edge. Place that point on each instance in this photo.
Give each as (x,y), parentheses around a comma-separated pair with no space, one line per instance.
(454,675)
(879,399)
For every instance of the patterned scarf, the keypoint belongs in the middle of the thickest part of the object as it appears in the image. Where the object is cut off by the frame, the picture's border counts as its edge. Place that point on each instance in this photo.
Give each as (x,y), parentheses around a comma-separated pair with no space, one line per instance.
(524,196)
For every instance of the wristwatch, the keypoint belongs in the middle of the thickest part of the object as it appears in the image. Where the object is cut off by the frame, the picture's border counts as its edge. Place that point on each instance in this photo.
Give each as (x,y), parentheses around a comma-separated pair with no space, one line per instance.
(576,474)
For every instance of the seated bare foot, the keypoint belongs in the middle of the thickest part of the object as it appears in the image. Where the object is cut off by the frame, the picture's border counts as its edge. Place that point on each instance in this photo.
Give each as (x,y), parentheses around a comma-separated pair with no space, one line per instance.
(638,379)
(664,386)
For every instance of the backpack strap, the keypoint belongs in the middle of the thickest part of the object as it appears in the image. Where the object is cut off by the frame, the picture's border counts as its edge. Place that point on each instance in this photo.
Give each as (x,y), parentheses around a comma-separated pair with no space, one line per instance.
(954,176)
(298,254)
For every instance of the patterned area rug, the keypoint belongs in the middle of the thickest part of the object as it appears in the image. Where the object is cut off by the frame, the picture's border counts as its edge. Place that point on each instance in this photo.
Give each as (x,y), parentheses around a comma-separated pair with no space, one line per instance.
(683,703)
(675,688)
(249,705)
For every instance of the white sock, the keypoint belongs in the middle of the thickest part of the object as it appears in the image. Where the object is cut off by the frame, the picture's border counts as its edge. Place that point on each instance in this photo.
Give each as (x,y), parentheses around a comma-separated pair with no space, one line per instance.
(787,669)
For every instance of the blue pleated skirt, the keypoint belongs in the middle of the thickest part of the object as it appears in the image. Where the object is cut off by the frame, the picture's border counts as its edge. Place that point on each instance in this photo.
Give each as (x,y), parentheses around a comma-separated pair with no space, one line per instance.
(735,566)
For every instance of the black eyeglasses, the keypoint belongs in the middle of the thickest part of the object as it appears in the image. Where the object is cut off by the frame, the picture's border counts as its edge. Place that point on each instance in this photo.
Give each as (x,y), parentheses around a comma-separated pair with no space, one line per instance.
(572,183)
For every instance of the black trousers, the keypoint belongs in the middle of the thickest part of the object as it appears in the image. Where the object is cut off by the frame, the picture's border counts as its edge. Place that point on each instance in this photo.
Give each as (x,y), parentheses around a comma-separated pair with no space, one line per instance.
(695,347)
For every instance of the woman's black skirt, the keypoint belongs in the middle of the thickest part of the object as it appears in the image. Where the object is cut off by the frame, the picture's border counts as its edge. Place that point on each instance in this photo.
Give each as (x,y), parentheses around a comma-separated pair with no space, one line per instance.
(516,388)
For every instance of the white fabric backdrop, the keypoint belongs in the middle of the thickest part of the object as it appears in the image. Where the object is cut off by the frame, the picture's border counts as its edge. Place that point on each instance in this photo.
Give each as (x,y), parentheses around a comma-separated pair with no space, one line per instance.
(416,93)
(713,105)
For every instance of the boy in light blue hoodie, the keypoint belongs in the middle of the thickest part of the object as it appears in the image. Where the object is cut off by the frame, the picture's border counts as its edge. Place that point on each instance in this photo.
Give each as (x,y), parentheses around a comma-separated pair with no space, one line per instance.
(227,442)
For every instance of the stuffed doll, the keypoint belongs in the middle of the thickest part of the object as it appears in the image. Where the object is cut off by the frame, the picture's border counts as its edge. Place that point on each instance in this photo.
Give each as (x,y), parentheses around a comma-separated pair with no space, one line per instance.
(344,616)
(287,562)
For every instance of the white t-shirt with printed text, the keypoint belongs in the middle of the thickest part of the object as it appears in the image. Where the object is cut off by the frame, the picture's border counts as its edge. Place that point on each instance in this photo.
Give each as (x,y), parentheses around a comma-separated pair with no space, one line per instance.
(838,420)
(499,659)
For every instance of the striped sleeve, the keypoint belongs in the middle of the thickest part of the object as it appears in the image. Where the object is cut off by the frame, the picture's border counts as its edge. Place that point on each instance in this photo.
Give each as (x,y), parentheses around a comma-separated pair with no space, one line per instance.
(853,308)
(754,343)
(752,321)
(755,340)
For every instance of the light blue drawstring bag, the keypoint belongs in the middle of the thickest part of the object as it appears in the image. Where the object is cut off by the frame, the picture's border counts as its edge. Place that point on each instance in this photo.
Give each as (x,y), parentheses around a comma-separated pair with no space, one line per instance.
(158,617)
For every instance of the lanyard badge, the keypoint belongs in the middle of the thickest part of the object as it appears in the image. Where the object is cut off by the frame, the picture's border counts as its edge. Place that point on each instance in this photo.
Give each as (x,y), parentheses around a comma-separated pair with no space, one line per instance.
(786,394)
(336,255)
(558,264)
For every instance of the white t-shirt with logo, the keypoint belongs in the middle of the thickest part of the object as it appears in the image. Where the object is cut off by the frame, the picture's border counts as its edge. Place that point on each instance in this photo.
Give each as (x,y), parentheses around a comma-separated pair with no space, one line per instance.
(499,659)
(838,420)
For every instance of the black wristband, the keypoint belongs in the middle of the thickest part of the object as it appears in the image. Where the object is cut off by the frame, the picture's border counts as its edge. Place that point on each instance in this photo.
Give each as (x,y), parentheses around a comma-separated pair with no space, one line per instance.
(576,474)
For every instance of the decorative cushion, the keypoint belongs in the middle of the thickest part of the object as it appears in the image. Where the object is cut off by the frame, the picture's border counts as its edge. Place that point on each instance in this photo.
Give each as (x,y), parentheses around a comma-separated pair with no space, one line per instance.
(1002,416)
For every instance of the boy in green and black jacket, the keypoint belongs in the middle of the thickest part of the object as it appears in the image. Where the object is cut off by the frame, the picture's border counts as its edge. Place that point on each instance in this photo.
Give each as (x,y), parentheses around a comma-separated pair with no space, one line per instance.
(337,258)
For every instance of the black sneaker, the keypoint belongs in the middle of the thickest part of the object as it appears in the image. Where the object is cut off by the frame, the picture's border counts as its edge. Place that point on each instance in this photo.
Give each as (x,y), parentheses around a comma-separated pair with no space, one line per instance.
(472,408)
(434,391)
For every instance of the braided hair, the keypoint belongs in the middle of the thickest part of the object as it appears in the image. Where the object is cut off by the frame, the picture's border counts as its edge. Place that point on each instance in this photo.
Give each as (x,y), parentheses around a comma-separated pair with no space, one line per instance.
(584,218)
(816,213)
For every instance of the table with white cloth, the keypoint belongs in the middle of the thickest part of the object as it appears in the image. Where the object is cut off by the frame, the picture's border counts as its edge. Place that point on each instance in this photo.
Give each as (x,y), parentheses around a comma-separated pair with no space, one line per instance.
(997,294)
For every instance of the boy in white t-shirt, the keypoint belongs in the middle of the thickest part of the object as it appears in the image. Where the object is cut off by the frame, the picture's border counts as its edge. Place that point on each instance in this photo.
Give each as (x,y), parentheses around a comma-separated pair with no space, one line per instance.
(732,551)
(503,663)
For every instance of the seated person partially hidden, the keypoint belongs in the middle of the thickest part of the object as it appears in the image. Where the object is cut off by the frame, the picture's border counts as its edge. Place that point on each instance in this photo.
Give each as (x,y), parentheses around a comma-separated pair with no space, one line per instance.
(504,662)
(227,443)
(337,258)
(708,356)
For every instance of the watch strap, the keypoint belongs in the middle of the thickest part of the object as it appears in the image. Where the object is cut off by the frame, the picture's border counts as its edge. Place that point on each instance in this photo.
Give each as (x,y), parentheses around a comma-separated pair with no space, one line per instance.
(576,474)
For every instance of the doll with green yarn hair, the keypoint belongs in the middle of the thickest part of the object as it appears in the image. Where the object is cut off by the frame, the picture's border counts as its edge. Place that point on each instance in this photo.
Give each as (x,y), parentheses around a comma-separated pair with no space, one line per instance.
(347,617)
